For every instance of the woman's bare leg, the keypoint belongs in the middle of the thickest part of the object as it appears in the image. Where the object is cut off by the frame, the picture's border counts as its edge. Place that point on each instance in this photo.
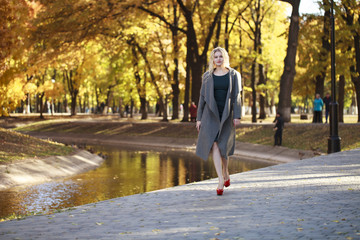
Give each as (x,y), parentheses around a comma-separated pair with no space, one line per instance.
(225,168)
(218,165)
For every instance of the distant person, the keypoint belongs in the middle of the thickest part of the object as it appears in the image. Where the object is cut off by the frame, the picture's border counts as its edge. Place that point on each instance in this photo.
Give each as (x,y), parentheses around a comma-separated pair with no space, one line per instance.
(193,112)
(219,111)
(278,128)
(327,100)
(318,105)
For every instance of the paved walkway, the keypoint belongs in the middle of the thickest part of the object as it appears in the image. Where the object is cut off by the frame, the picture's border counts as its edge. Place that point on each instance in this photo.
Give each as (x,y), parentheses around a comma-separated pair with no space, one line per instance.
(317,198)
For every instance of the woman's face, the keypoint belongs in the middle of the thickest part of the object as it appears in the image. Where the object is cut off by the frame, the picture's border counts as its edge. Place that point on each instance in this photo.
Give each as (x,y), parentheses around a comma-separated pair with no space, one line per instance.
(218,59)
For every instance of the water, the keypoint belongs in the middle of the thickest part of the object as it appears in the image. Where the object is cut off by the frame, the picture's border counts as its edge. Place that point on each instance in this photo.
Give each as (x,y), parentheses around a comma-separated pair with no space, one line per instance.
(124,172)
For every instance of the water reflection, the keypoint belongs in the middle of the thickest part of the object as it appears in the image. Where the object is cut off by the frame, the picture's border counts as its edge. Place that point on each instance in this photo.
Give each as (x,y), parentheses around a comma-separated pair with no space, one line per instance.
(125,172)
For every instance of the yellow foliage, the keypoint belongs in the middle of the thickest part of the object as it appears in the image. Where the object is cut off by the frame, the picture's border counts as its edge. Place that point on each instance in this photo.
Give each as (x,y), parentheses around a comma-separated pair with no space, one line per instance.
(11,95)
(30,88)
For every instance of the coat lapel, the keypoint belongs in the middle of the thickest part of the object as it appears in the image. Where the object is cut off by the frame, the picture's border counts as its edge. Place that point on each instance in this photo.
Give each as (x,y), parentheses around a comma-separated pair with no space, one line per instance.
(228,99)
(210,98)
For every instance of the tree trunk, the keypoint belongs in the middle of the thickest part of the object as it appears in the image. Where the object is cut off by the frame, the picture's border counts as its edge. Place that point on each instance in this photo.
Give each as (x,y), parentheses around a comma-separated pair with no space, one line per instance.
(262,95)
(356,80)
(319,84)
(187,86)
(262,80)
(80,104)
(121,110)
(341,97)
(74,91)
(165,112)
(132,109)
(175,82)
(143,109)
(28,104)
(226,35)
(253,79)
(349,17)
(28,100)
(139,87)
(108,100)
(41,108)
(287,78)
(217,35)
(73,102)
(176,90)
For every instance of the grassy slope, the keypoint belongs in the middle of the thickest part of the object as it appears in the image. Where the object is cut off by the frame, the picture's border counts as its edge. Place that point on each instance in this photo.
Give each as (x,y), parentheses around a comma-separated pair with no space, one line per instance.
(297,136)
(17,146)
(302,136)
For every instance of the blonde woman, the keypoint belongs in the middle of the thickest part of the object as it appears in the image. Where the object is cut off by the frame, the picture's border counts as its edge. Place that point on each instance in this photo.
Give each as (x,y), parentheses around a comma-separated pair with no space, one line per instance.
(219,111)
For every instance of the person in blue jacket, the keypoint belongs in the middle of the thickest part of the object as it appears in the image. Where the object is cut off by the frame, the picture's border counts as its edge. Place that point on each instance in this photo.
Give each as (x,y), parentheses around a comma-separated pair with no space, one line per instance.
(318,106)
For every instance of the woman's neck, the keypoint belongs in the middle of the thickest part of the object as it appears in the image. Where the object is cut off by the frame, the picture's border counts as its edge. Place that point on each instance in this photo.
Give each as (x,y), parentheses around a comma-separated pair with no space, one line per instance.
(221,70)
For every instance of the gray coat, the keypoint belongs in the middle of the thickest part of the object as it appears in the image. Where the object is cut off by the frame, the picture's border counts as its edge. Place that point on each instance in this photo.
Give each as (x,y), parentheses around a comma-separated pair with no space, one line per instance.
(208,114)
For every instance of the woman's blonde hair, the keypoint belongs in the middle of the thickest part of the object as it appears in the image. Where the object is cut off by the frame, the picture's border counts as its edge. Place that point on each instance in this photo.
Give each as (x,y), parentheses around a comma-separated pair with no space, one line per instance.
(225,55)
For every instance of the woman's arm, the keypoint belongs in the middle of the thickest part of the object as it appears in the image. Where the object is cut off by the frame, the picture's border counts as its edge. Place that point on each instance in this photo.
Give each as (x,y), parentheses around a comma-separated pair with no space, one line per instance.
(237,96)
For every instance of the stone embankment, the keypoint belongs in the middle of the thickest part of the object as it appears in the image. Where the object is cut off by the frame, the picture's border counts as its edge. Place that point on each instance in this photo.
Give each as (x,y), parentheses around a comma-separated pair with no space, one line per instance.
(38,170)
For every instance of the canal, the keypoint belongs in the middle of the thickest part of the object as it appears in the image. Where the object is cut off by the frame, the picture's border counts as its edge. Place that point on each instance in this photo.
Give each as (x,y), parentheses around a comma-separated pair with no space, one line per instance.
(124,172)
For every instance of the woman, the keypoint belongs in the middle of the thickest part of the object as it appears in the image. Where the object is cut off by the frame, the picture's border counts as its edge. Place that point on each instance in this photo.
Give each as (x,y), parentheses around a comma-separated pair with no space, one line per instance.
(318,105)
(219,111)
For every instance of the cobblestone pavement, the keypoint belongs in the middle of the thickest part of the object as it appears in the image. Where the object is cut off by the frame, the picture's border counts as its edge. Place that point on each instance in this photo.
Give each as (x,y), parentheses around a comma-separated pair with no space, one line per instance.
(317,198)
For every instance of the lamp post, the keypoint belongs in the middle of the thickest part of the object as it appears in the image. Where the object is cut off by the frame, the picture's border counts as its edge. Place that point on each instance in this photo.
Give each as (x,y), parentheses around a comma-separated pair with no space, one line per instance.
(334,139)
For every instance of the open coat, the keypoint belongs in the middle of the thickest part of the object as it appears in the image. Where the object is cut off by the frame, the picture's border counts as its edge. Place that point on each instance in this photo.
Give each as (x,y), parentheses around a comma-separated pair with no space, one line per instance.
(208,114)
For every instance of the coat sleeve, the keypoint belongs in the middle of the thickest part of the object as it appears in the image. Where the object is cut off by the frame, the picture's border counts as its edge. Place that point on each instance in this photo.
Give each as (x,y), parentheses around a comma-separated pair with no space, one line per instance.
(201,104)
(237,95)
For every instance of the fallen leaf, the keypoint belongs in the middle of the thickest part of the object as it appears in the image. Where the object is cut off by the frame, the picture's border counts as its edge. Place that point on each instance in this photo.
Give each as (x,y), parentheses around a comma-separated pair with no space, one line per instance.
(214,228)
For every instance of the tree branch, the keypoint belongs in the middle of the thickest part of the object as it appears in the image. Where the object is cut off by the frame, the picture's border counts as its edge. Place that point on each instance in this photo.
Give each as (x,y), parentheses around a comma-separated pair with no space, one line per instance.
(161,18)
(288,1)
(239,14)
(212,27)
(248,23)
(265,12)
(182,6)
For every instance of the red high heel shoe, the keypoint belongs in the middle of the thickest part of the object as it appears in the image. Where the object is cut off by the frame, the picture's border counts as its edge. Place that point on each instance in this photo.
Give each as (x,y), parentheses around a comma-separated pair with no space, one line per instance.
(227,183)
(219,191)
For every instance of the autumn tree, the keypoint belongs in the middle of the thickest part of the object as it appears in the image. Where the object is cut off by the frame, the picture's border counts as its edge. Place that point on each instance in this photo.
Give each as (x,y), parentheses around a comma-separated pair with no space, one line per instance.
(15,20)
(257,14)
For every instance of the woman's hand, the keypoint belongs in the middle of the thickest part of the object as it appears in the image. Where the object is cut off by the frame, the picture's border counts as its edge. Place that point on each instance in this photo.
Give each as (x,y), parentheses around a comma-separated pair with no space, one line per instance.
(198,124)
(236,122)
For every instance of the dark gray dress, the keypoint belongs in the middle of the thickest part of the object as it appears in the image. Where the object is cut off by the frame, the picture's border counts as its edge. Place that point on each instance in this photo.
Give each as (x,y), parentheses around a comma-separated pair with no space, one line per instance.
(221,86)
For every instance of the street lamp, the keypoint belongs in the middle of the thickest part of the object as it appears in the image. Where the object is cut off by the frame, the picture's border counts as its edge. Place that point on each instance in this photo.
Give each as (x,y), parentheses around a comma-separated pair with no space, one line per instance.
(334,139)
